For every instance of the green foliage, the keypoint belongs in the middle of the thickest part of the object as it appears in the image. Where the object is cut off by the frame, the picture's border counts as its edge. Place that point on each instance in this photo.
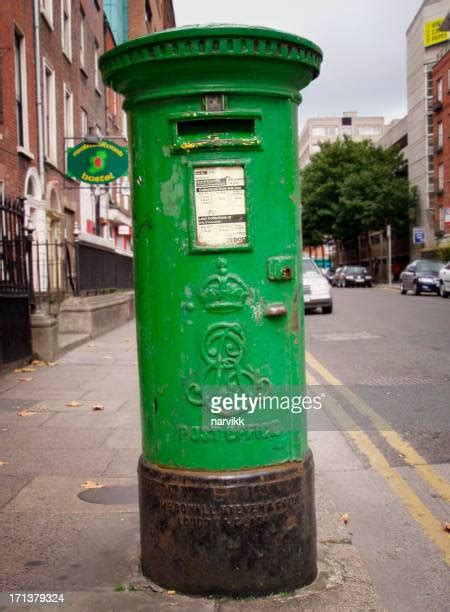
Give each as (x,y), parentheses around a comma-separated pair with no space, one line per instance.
(441,252)
(350,188)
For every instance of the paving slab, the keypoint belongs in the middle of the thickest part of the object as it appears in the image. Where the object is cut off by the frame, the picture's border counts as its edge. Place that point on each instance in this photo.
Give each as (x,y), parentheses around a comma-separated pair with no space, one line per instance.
(59,462)
(124,438)
(65,438)
(60,495)
(86,404)
(96,419)
(124,463)
(10,486)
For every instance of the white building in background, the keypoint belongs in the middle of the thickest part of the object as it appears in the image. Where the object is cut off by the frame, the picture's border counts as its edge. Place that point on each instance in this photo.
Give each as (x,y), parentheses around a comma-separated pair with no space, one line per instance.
(425,42)
(329,129)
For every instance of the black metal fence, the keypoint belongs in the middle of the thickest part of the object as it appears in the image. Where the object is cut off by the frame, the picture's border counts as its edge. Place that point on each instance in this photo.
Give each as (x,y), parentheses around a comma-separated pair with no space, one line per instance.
(99,269)
(65,268)
(15,288)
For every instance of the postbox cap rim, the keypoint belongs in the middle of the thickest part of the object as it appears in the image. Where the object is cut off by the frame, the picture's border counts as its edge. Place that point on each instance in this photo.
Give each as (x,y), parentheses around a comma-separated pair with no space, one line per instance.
(173,36)
(215,29)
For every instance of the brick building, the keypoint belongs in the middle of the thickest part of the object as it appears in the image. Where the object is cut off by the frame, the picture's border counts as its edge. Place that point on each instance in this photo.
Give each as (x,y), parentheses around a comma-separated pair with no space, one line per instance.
(51,96)
(18,127)
(441,131)
(146,16)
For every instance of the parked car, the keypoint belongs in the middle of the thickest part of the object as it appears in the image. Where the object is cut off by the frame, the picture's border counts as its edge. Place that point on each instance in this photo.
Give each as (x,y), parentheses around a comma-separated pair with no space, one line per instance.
(335,276)
(354,276)
(444,280)
(316,288)
(421,276)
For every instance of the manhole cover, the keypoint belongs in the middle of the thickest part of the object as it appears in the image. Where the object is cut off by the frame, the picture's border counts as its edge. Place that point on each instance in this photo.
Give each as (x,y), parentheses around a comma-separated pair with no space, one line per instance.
(115,494)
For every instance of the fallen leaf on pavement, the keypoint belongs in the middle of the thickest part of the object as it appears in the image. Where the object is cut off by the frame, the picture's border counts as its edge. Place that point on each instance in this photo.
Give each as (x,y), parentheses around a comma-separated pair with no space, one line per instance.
(171,592)
(25,413)
(447,527)
(28,369)
(98,407)
(37,362)
(3,463)
(345,518)
(73,404)
(17,370)
(41,407)
(51,364)
(90,484)
(26,379)
(92,345)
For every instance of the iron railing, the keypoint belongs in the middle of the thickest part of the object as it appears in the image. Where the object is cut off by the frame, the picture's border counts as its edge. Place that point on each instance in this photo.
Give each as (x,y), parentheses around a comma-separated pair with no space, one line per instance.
(65,268)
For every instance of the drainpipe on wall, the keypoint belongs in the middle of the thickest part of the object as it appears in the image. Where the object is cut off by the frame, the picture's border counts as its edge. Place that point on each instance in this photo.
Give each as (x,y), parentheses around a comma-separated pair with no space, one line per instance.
(40,127)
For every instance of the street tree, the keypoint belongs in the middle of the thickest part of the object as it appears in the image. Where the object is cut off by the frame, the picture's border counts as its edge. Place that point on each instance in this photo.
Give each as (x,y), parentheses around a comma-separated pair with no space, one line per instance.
(352,188)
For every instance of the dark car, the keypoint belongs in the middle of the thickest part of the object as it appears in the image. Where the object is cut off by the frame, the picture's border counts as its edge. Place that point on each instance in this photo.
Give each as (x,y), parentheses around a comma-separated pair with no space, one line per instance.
(353,276)
(421,276)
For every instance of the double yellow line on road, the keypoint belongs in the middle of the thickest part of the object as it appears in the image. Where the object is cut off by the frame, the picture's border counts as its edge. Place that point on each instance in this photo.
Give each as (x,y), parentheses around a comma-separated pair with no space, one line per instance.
(418,510)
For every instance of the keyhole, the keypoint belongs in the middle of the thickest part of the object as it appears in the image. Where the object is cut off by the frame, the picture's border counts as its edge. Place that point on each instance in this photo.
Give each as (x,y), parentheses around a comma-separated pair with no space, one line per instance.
(287,273)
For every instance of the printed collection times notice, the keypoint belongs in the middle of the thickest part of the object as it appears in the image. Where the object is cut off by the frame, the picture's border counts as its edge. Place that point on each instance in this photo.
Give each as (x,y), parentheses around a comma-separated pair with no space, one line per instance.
(220,206)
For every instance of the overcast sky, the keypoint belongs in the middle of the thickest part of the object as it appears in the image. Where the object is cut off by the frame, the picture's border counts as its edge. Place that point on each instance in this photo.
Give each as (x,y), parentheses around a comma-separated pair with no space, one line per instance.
(363,41)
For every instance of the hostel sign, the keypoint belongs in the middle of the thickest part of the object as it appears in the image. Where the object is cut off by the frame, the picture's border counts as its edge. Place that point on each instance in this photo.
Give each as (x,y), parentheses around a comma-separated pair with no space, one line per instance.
(97,164)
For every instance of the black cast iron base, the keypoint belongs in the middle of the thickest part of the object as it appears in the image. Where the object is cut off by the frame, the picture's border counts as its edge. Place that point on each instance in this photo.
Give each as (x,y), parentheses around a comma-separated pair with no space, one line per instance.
(229,533)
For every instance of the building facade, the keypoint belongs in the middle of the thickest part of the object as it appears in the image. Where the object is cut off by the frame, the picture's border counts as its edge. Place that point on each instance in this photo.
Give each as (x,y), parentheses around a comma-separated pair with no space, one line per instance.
(329,129)
(441,132)
(49,51)
(425,41)
(145,16)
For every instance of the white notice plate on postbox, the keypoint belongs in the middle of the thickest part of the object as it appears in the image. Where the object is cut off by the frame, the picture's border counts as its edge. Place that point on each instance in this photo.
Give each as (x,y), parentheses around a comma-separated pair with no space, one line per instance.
(220,207)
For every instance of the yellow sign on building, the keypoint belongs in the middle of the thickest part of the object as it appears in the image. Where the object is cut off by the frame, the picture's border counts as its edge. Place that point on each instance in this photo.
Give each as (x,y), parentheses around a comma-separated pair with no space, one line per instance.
(432,35)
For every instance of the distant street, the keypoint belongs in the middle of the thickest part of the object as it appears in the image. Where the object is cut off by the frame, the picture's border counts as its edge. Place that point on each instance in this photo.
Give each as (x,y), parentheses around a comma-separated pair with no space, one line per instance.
(389,469)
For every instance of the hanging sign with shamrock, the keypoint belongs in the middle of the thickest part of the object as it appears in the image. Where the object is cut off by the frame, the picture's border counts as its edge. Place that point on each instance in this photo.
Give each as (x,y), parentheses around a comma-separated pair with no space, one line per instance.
(96,164)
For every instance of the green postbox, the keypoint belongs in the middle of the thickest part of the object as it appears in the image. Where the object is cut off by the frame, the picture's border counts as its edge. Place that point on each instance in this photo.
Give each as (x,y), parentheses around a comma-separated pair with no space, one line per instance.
(225,508)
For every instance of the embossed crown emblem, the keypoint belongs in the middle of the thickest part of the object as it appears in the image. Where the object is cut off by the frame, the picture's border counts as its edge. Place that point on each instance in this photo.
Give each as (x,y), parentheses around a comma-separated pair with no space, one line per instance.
(224,291)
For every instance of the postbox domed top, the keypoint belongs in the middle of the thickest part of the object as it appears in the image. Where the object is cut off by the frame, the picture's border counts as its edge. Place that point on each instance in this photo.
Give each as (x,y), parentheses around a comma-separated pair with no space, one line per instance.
(214,57)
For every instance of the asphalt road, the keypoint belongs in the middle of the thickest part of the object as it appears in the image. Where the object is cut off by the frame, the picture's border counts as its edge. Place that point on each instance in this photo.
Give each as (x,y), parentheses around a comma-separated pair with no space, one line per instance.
(382,440)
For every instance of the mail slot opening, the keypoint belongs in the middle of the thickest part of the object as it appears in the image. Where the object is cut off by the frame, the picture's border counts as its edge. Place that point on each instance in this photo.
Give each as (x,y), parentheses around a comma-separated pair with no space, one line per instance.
(231,128)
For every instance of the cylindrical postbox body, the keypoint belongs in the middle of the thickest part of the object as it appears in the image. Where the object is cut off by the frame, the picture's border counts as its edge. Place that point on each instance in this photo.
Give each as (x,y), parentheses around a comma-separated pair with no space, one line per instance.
(212,114)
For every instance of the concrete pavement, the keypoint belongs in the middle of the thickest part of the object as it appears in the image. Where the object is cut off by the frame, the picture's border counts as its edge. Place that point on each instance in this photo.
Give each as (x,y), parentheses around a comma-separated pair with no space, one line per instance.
(69,427)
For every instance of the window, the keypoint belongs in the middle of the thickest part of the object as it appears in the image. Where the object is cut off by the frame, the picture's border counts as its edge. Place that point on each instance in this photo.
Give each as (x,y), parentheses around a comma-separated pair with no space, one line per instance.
(442,224)
(368,130)
(96,72)
(68,117)
(440,141)
(84,123)
(20,78)
(441,176)
(82,39)
(46,7)
(66,28)
(346,120)
(439,90)
(49,114)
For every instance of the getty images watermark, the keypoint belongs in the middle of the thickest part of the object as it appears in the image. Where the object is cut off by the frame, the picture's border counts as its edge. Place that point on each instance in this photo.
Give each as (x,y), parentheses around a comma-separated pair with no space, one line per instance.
(225,408)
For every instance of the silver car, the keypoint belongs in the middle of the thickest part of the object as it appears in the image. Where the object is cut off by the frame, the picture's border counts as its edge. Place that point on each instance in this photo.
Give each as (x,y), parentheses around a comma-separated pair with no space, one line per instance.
(316,288)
